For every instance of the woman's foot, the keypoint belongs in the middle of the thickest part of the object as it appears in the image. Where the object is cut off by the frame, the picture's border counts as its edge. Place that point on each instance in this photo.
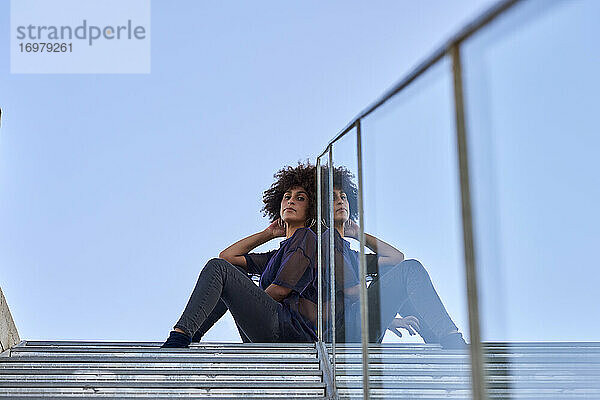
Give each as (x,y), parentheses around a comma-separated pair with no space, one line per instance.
(177,340)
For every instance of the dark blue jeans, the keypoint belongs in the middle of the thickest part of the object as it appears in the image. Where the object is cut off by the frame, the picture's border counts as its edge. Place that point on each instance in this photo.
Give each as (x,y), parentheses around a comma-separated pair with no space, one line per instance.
(222,286)
(406,289)
(216,314)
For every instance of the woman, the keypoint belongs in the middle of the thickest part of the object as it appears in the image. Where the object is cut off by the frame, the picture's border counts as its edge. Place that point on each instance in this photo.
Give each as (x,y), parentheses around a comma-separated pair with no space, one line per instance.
(402,286)
(283,308)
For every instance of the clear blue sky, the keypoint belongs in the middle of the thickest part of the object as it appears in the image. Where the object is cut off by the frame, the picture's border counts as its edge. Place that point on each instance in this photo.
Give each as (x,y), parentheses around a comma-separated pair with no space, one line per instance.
(116,189)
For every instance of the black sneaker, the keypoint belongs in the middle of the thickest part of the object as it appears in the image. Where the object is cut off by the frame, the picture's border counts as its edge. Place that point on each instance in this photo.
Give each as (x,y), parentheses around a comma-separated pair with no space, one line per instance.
(177,340)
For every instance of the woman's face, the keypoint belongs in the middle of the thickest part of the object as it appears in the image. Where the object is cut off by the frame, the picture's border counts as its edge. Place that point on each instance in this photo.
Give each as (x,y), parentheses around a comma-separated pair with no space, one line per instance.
(294,206)
(341,208)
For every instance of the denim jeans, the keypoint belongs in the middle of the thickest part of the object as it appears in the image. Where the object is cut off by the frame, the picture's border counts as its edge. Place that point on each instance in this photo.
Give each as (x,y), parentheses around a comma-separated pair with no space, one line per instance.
(216,314)
(406,289)
(223,286)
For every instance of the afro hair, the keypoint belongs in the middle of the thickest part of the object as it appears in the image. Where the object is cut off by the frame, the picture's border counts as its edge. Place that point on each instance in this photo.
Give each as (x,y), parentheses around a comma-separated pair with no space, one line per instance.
(285,179)
(343,180)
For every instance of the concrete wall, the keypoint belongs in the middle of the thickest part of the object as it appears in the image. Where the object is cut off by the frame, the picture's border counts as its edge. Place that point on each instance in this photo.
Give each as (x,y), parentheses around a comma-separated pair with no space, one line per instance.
(8,331)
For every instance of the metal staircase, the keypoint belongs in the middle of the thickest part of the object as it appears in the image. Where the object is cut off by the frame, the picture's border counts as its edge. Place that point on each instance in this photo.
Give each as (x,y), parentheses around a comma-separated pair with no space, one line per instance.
(63,369)
(44,369)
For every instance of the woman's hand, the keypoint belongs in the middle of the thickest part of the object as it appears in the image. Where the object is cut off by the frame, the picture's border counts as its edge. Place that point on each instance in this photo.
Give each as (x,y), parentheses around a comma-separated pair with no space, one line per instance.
(276,228)
(410,323)
(235,254)
(351,229)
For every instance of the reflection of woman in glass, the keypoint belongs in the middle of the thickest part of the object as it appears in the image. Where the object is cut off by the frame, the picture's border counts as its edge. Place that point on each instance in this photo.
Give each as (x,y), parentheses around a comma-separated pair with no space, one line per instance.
(283,308)
(401,286)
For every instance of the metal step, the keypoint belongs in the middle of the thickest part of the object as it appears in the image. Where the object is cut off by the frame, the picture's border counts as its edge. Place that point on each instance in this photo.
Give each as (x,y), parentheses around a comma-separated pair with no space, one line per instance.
(127,393)
(432,394)
(76,343)
(189,373)
(142,365)
(32,350)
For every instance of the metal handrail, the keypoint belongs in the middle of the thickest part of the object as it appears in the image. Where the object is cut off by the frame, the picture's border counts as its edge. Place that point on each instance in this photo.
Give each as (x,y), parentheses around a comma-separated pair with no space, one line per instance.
(428,62)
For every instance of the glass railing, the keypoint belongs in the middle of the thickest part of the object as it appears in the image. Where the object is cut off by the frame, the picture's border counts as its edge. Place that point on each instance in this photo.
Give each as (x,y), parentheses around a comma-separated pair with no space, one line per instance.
(531,101)
(463,204)
(412,203)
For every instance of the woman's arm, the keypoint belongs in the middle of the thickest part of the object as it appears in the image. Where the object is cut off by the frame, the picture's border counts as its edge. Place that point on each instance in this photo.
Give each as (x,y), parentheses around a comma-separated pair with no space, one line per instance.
(277,292)
(387,255)
(235,253)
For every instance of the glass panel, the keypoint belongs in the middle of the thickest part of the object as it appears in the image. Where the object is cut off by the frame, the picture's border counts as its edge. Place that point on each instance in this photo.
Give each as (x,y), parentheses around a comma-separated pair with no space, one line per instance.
(531,90)
(326,190)
(347,278)
(325,267)
(413,224)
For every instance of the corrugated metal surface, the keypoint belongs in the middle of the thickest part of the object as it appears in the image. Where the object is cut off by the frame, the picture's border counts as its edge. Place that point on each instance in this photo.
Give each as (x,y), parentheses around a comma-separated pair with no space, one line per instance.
(37,369)
(514,371)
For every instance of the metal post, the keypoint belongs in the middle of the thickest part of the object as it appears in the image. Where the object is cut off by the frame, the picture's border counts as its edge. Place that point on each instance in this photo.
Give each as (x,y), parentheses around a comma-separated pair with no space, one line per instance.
(477,366)
(364,306)
(319,255)
(332,260)
(328,379)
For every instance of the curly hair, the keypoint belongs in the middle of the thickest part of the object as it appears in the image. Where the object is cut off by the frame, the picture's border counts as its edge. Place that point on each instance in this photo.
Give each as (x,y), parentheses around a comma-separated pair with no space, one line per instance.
(343,180)
(285,179)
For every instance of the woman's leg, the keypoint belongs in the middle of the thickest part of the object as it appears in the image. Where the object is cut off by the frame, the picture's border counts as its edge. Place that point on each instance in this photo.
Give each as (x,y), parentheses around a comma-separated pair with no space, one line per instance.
(254,311)
(216,314)
(407,289)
